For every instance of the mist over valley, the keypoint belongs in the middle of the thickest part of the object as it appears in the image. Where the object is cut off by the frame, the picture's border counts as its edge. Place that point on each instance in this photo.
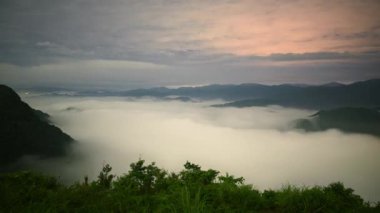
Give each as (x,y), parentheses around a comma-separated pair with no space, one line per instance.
(189,106)
(258,143)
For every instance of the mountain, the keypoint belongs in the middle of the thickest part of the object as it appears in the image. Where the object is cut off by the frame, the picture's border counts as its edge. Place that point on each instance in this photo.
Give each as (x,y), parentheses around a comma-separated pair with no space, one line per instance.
(25,131)
(347,119)
(328,96)
(333,84)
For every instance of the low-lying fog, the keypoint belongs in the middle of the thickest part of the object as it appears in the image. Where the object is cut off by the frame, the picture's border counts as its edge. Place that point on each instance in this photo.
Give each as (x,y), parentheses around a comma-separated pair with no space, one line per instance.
(255,143)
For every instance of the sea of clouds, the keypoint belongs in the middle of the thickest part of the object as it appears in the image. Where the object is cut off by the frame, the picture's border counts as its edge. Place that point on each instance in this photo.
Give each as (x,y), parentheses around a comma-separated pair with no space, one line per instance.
(257,143)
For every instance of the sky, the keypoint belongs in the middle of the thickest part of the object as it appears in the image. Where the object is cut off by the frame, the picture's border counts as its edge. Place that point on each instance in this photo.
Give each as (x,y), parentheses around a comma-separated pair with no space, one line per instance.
(124,44)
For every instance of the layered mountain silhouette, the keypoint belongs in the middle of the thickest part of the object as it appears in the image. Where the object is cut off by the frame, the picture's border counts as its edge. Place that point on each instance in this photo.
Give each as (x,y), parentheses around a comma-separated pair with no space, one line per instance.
(347,119)
(327,96)
(25,131)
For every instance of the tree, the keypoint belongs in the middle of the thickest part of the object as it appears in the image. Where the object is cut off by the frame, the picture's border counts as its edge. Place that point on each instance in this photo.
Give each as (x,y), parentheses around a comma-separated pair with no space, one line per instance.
(104,178)
(194,175)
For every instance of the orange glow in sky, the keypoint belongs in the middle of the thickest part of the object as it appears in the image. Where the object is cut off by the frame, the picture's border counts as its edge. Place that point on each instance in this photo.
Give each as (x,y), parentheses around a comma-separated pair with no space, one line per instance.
(265,27)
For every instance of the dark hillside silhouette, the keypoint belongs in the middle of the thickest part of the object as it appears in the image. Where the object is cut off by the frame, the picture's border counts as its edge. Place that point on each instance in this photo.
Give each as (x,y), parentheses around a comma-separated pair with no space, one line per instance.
(25,131)
(347,119)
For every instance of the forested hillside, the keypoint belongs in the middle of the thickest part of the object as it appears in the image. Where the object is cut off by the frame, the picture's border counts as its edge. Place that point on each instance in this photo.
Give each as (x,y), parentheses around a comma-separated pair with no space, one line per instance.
(25,131)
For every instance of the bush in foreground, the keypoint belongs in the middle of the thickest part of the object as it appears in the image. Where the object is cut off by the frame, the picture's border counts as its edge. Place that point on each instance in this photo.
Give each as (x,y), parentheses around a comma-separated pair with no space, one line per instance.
(147,188)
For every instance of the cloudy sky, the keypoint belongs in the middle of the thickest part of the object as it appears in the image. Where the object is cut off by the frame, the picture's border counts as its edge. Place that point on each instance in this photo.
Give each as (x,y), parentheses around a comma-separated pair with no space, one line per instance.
(143,43)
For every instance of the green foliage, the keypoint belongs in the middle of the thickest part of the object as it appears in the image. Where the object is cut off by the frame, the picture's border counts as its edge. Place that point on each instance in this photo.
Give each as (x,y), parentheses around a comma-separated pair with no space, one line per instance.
(147,188)
(194,175)
(104,178)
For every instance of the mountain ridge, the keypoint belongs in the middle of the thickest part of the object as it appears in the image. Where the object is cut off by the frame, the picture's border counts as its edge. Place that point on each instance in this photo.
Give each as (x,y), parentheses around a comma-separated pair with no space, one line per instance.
(346,119)
(26,131)
(316,97)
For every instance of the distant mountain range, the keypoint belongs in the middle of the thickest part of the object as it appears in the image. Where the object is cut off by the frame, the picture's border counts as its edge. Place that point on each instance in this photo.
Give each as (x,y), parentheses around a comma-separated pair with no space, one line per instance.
(317,97)
(349,108)
(327,96)
(347,119)
(25,131)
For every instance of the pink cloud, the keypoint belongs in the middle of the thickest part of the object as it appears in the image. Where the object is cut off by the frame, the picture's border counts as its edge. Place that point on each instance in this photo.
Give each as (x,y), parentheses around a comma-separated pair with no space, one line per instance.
(264,27)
